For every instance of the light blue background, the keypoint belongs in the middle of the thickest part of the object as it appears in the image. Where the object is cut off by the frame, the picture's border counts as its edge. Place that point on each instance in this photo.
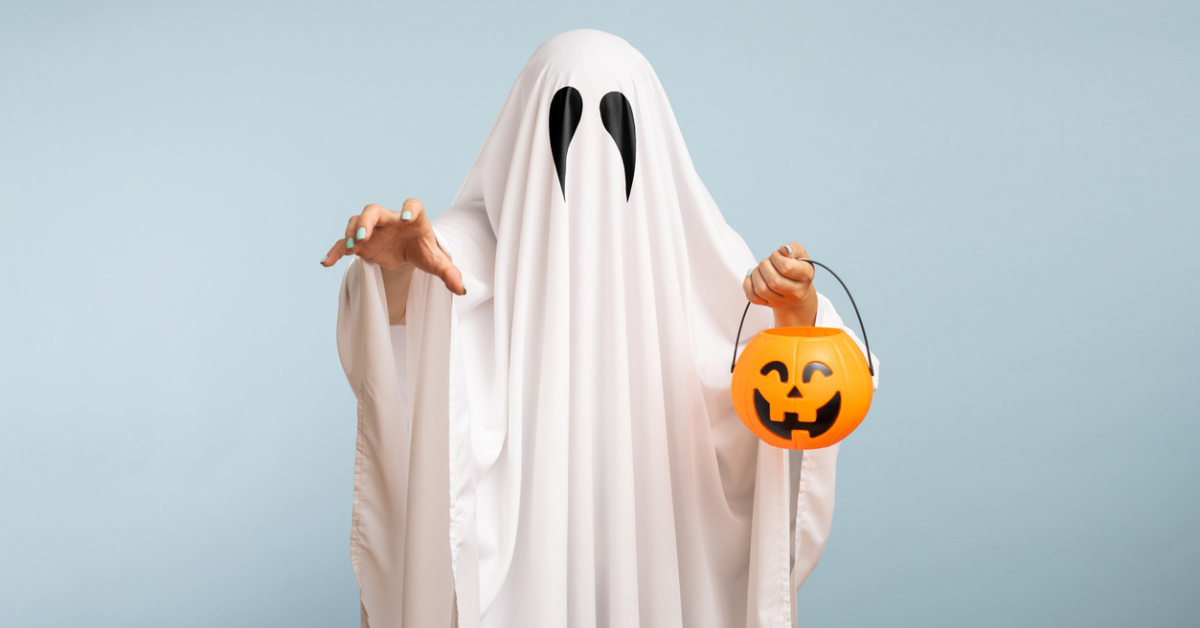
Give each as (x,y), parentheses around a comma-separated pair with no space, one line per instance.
(1011,189)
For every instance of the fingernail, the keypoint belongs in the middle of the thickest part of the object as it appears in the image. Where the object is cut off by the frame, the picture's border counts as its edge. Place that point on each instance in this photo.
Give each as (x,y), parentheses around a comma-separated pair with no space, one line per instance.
(407,215)
(361,233)
(349,243)
(750,272)
(464,291)
(323,259)
(789,248)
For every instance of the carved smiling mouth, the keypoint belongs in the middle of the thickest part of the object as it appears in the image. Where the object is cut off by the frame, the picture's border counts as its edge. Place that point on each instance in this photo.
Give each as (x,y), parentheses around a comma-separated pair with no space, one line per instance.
(826,416)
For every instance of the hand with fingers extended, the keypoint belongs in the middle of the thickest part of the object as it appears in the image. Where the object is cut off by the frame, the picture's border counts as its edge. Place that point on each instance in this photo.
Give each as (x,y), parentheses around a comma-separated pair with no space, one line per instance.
(784,283)
(392,239)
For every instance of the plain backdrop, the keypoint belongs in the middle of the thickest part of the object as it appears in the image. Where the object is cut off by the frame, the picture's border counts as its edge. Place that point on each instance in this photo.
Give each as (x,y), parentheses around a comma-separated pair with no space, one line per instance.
(1010,188)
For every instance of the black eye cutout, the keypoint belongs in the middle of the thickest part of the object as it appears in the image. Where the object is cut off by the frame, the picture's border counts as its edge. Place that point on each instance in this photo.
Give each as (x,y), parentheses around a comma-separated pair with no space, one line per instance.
(617,115)
(779,367)
(565,110)
(817,367)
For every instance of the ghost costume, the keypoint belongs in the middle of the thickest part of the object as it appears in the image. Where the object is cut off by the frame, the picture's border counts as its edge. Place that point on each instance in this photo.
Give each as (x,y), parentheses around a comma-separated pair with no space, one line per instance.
(558,447)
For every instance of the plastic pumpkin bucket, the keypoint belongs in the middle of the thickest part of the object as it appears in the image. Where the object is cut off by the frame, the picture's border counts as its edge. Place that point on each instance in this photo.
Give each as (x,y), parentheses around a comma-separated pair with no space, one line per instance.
(802,387)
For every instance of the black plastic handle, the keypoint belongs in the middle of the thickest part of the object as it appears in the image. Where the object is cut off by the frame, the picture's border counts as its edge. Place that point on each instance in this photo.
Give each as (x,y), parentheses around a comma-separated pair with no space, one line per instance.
(870,366)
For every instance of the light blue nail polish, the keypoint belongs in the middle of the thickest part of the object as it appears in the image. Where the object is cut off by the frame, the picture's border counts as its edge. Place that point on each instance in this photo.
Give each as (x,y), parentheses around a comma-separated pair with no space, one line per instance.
(324,258)
(789,248)
(349,243)
(407,215)
(361,233)
(750,272)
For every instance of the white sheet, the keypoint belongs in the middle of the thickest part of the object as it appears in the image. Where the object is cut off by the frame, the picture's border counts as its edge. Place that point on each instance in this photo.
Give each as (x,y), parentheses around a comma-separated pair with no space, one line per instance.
(567,454)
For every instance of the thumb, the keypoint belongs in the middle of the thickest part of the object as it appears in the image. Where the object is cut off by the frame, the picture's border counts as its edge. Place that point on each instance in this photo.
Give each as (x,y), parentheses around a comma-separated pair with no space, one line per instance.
(427,254)
(441,266)
(452,277)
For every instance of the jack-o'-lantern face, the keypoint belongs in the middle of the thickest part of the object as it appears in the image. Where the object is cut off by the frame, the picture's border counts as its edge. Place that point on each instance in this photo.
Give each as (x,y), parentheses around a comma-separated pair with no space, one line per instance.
(793,410)
(801,387)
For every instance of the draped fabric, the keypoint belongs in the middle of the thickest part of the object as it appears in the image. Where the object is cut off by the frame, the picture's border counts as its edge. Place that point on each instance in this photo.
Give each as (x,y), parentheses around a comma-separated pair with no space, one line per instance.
(558,447)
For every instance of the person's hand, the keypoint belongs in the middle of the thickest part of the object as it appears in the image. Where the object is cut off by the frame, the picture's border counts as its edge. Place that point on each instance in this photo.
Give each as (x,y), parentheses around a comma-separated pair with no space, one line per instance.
(784,283)
(392,239)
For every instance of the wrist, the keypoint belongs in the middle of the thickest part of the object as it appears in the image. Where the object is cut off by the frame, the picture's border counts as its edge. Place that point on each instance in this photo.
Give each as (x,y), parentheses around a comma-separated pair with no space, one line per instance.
(802,313)
(401,269)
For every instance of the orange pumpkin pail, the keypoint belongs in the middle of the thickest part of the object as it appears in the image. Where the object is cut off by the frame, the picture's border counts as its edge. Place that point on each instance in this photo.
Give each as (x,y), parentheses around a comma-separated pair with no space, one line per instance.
(802,387)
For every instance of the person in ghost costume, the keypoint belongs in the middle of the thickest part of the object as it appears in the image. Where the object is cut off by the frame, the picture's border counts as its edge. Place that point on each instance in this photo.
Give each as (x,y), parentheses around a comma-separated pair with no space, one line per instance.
(546,436)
